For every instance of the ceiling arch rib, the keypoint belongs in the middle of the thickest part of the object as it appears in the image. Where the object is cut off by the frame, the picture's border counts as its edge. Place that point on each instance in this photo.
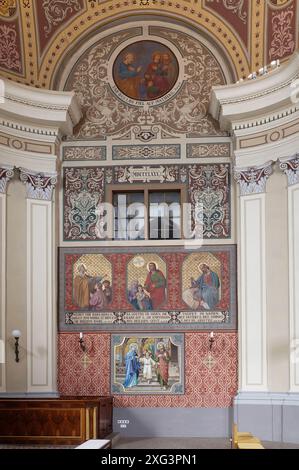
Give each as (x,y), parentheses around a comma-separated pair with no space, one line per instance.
(35,35)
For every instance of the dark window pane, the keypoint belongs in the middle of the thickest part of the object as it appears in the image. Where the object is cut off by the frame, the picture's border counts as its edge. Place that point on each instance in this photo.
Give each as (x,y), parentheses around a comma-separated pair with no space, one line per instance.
(164,215)
(128,215)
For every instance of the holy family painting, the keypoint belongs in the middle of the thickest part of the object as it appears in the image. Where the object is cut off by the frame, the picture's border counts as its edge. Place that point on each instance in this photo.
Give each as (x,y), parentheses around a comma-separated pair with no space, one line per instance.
(169,287)
(151,364)
(145,70)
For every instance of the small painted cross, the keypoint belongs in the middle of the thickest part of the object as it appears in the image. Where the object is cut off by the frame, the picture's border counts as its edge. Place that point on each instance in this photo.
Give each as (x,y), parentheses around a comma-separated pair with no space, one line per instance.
(209,361)
(85,361)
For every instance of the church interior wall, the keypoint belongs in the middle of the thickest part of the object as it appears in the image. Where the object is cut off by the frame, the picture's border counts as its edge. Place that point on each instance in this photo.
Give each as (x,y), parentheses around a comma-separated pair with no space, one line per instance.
(167,138)
(192,147)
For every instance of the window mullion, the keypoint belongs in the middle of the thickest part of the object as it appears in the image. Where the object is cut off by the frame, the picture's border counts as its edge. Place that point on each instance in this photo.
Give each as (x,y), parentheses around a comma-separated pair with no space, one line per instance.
(146,214)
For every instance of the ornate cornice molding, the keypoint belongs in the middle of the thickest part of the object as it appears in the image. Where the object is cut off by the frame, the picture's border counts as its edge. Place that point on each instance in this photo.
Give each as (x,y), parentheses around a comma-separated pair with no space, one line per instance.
(6,173)
(253,180)
(291,169)
(38,185)
(253,101)
(26,108)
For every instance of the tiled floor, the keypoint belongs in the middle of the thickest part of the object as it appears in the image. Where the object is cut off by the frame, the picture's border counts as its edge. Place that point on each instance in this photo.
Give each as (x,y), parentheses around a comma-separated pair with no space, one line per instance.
(164,443)
(188,443)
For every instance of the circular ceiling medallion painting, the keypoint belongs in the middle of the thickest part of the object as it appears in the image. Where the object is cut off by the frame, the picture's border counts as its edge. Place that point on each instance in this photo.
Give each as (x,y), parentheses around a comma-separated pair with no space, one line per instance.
(145,70)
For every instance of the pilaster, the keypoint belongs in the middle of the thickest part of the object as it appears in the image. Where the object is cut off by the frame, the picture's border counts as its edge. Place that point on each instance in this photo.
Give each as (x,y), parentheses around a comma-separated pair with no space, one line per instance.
(252,265)
(291,168)
(41,324)
(6,173)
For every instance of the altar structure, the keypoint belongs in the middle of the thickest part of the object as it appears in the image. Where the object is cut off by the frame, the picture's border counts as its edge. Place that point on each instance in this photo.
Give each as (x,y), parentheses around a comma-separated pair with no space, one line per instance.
(118,117)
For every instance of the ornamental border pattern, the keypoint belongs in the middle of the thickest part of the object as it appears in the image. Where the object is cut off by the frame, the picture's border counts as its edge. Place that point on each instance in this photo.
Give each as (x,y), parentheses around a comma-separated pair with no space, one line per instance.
(208,150)
(142,152)
(84,153)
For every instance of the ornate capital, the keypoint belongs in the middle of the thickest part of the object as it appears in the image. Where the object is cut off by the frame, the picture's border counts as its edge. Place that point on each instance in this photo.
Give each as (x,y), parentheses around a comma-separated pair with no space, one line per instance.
(39,185)
(291,169)
(253,180)
(6,173)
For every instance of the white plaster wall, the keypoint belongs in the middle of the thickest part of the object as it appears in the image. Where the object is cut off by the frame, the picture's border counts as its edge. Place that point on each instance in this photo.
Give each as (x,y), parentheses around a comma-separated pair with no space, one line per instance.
(252,306)
(16,318)
(2,287)
(40,312)
(293,197)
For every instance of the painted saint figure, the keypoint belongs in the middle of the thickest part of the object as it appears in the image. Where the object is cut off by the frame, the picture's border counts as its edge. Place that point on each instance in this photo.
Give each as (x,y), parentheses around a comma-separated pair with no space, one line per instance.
(208,285)
(153,76)
(81,287)
(163,366)
(132,367)
(155,285)
(128,76)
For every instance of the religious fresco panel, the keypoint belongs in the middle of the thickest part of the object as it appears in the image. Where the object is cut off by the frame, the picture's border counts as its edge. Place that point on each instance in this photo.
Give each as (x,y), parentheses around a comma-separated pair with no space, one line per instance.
(145,70)
(147,289)
(152,364)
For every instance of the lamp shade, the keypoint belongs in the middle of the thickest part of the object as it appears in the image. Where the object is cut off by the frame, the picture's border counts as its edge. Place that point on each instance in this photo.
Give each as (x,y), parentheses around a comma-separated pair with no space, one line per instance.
(16,333)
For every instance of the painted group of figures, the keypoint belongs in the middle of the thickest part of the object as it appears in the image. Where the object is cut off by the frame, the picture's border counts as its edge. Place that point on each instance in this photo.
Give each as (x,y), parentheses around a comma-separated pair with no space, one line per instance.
(152,294)
(203,293)
(91,292)
(147,363)
(95,292)
(154,82)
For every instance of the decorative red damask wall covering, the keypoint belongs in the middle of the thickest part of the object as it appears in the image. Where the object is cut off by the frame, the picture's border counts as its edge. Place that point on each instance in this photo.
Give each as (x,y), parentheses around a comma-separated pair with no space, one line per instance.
(206,385)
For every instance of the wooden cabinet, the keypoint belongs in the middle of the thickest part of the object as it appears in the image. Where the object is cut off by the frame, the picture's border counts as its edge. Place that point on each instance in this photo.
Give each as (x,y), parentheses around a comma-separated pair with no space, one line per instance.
(67,421)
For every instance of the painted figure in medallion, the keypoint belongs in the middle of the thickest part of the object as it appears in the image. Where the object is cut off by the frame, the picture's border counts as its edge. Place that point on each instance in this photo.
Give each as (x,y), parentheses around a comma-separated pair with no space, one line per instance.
(145,70)
(129,76)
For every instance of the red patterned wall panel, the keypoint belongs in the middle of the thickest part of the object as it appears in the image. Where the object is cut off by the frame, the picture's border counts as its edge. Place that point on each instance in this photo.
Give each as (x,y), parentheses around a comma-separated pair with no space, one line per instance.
(208,384)
(54,14)
(10,46)
(235,13)
(282,31)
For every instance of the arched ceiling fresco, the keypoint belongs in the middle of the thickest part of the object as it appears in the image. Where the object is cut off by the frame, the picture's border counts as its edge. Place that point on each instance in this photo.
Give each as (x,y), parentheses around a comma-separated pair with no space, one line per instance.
(35,35)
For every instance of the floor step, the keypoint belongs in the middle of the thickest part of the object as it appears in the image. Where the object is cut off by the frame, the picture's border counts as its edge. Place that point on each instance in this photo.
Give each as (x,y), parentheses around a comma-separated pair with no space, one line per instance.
(114,437)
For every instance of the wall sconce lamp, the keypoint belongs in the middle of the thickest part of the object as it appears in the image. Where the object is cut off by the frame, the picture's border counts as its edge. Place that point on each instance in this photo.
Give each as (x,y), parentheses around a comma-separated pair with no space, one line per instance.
(16,334)
(81,342)
(211,340)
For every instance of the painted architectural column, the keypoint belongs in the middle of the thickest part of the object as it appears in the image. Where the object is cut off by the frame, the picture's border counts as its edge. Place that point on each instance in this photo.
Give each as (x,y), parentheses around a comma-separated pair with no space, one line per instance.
(41,292)
(252,269)
(6,173)
(291,169)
